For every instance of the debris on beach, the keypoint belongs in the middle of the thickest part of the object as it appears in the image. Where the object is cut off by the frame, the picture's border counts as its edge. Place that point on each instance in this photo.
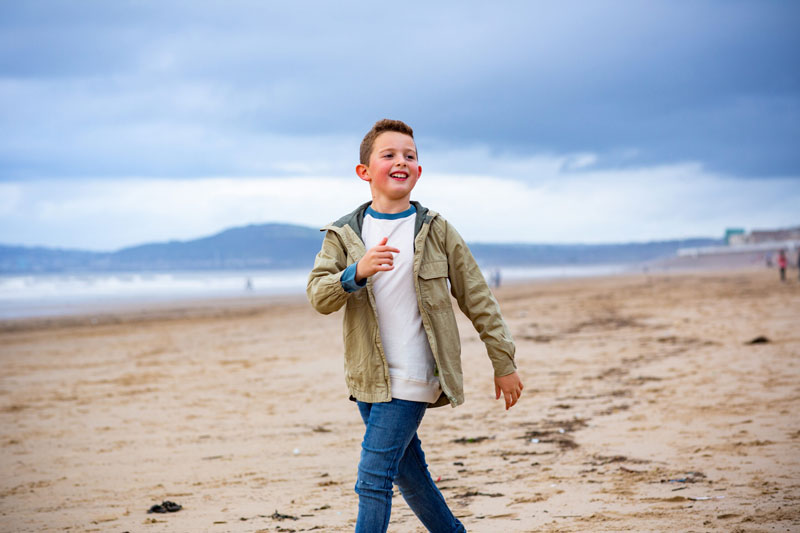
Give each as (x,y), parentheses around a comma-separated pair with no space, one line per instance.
(537,338)
(471,493)
(761,339)
(631,470)
(600,460)
(471,440)
(690,477)
(555,432)
(280,516)
(165,507)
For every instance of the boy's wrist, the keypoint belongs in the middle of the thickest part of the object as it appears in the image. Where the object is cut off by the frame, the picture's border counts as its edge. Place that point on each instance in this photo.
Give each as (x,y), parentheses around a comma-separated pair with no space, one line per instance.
(349,281)
(358,278)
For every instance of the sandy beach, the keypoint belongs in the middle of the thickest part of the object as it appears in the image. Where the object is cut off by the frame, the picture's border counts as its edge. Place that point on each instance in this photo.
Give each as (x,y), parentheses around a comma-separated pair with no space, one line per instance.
(647,408)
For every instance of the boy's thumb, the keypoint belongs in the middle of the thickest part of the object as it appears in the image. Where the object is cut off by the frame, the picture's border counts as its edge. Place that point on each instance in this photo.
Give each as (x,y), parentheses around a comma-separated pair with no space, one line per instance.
(384,241)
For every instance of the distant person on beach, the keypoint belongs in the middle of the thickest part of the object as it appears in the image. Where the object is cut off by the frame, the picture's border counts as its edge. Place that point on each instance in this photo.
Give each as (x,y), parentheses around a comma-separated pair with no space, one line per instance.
(389,263)
(782,264)
(496,278)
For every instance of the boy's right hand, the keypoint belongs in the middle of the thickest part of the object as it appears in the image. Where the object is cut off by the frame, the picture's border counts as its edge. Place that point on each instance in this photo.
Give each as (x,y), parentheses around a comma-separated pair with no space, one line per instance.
(511,388)
(377,259)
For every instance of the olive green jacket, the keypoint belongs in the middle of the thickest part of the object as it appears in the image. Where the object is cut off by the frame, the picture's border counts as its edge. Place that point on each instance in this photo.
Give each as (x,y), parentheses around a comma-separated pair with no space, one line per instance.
(440,254)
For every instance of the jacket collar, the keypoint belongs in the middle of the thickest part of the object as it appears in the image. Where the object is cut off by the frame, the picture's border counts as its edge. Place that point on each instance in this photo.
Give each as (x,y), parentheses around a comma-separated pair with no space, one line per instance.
(355,219)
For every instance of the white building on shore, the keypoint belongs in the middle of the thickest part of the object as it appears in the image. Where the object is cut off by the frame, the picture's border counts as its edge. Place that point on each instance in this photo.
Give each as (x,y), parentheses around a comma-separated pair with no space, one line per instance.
(757,241)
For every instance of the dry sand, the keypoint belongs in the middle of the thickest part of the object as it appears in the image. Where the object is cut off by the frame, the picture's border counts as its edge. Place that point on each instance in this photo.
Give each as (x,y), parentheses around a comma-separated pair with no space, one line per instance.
(645,409)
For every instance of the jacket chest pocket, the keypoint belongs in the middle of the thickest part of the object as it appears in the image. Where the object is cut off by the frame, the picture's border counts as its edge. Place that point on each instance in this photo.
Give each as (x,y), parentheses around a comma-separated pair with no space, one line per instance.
(433,286)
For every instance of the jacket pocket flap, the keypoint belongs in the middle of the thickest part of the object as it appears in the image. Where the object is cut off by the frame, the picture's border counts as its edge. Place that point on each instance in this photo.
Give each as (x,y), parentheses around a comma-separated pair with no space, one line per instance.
(434,269)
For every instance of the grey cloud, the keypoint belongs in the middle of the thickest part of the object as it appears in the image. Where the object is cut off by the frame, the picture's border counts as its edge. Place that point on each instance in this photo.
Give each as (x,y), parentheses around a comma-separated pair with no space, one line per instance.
(193,88)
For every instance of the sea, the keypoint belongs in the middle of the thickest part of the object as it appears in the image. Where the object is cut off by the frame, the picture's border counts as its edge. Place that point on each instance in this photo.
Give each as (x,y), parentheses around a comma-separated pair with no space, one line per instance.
(42,295)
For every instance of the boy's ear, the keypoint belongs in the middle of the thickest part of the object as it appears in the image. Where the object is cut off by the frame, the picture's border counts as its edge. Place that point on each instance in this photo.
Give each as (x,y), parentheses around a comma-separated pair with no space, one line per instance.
(362,171)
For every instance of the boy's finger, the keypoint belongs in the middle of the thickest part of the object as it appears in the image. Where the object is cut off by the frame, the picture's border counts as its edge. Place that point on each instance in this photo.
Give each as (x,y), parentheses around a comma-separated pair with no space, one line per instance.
(497,392)
(514,397)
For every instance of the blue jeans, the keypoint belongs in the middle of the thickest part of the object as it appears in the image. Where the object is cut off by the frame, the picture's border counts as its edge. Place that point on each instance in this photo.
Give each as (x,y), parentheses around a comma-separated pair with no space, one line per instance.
(391,453)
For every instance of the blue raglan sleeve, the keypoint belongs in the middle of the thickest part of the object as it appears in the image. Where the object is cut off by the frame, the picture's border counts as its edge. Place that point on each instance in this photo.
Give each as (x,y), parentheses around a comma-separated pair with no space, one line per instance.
(349,282)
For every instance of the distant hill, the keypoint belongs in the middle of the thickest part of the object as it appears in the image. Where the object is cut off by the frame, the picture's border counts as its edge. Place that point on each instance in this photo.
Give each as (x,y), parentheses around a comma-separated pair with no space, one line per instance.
(264,246)
(286,246)
(253,246)
(22,259)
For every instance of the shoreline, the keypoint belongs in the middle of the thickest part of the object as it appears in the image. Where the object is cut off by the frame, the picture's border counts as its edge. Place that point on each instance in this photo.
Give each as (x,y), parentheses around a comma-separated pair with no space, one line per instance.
(145,312)
(126,311)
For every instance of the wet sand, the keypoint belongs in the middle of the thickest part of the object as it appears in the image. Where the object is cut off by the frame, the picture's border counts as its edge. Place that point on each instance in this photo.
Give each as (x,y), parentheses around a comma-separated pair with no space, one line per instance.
(645,409)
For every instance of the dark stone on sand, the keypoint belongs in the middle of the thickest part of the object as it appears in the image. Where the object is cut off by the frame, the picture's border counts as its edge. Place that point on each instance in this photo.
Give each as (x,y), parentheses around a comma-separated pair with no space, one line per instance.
(758,340)
(165,507)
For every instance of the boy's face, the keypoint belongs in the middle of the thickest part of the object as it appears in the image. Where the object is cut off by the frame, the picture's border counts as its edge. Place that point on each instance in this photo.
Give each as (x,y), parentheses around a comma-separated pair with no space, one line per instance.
(393,168)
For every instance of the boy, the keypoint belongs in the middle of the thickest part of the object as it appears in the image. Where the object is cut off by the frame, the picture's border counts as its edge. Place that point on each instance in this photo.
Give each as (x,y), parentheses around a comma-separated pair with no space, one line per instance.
(389,263)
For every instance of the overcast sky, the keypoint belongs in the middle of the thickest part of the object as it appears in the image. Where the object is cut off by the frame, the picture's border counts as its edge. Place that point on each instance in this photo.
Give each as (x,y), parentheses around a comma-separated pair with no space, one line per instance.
(600,121)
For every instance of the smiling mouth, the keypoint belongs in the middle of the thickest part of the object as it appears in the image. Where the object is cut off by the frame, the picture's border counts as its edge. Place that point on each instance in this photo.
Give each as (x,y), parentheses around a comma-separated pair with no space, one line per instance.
(398,175)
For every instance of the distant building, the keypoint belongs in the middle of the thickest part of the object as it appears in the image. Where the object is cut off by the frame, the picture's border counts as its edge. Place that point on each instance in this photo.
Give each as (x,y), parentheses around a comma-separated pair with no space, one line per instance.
(734,236)
(739,242)
(774,235)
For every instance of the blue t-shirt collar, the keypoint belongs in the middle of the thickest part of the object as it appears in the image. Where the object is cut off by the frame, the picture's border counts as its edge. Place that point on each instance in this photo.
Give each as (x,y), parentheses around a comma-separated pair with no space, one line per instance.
(390,216)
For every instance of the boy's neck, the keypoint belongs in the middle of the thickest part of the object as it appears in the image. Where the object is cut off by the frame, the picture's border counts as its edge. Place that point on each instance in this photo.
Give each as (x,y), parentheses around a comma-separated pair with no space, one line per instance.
(390,207)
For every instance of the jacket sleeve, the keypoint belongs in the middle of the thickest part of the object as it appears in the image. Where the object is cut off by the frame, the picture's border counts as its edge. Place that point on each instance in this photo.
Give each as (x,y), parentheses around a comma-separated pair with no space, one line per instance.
(324,288)
(476,301)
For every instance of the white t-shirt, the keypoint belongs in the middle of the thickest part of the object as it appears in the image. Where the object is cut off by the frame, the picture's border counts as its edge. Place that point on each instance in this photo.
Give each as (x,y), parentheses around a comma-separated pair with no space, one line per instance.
(411,364)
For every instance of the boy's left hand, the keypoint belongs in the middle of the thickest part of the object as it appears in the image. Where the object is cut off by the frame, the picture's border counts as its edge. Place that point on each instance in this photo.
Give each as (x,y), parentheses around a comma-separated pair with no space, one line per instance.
(510,386)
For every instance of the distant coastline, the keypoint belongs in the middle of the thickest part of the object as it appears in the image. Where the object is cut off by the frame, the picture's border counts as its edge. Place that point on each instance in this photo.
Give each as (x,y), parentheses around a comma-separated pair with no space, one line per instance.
(284,246)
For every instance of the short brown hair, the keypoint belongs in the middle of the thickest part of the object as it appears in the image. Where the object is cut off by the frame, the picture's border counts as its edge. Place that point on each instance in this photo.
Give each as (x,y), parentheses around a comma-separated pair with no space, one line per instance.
(382,126)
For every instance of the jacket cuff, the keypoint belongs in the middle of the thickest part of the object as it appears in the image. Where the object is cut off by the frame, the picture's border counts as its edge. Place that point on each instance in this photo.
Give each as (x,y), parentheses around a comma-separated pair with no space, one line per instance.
(504,366)
(349,283)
